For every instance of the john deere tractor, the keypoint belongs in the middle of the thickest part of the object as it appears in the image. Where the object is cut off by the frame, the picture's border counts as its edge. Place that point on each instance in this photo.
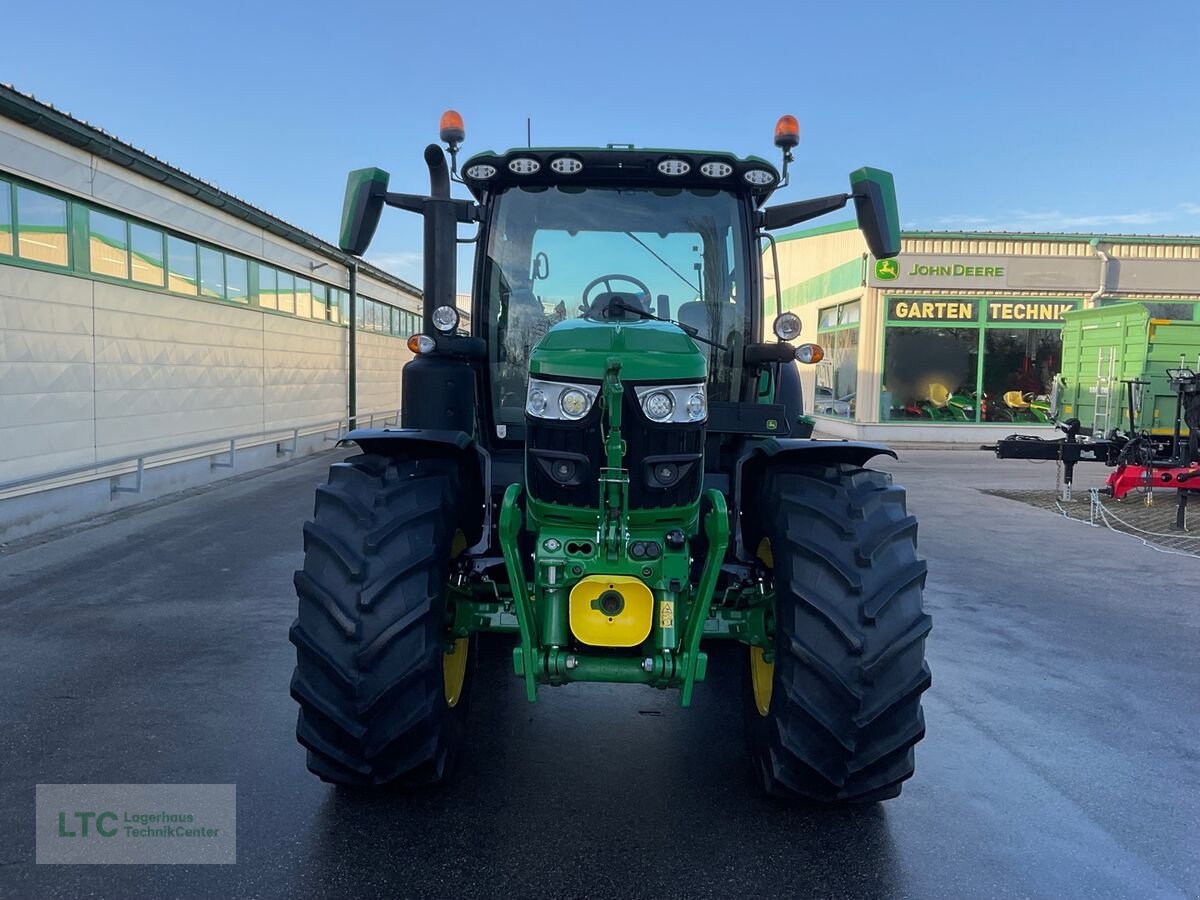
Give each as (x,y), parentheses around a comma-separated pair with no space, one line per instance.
(613,470)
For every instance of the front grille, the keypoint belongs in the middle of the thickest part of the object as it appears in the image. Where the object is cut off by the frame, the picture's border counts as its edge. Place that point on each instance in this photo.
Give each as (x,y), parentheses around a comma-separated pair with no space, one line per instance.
(563,459)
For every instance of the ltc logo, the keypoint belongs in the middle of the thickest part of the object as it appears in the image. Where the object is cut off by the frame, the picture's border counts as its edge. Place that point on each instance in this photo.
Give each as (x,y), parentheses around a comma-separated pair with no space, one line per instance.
(887,269)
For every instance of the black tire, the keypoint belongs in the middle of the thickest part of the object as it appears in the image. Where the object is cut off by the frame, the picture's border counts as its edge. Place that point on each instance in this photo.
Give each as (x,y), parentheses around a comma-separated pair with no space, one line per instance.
(371,631)
(844,708)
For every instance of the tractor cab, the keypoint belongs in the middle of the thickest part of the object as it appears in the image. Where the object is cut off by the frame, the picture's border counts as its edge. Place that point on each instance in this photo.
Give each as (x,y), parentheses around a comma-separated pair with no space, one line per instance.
(616,237)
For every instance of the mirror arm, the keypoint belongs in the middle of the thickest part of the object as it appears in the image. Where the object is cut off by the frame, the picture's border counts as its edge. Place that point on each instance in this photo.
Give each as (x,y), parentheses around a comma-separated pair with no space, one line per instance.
(786,214)
(465,211)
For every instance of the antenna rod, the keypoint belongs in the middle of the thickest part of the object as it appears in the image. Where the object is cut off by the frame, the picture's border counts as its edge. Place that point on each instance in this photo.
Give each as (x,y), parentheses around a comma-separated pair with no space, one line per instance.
(528,131)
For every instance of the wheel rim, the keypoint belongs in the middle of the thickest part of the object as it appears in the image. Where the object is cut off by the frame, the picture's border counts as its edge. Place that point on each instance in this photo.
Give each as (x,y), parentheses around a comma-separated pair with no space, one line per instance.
(762,673)
(454,671)
(454,662)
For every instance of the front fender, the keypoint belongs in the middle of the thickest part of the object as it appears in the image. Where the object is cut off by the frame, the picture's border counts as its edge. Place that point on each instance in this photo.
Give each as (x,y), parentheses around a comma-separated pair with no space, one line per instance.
(756,455)
(425,443)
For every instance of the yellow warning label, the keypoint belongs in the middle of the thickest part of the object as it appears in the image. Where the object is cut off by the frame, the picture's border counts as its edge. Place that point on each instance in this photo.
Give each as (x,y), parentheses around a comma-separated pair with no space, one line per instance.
(666,614)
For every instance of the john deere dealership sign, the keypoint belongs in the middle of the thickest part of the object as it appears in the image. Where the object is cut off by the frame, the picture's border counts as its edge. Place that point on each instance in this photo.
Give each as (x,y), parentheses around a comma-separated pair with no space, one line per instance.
(942,272)
(971,272)
(930,309)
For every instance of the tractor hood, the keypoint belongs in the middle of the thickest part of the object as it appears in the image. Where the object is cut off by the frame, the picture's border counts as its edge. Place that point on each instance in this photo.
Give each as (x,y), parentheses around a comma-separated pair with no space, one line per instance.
(579,349)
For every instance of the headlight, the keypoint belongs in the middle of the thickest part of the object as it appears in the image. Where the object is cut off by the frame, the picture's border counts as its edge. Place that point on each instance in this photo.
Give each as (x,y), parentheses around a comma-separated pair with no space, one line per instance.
(445,318)
(574,403)
(787,326)
(558,401)
(658,405)
(677,403)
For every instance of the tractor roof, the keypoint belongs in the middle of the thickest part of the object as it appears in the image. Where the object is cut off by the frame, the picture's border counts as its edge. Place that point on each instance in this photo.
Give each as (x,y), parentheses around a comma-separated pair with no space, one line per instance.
(619,166)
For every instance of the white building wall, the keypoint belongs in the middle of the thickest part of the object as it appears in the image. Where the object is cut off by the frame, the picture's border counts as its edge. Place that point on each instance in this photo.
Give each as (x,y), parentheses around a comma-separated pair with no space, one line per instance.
(91,371)
(47,372)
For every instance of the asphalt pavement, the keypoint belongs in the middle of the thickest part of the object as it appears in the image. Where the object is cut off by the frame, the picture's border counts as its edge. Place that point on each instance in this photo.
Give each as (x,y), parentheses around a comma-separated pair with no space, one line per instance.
(1061,757)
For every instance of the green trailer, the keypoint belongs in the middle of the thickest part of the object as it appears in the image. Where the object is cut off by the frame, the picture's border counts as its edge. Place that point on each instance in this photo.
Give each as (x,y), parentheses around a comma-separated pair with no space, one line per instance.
(1106,346)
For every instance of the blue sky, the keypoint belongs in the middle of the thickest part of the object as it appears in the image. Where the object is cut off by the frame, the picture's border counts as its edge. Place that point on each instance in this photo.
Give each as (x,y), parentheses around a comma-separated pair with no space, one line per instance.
(1057,116)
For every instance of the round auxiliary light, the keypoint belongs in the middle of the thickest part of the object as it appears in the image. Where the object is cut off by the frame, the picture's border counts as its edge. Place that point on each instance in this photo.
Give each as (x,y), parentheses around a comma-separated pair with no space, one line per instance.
(566,165)
(420,343)
(524,165)
(445,318)
(759,177)
(658,405)
(573,403)
(715,169)
(697,406)
(809,353)
(674,167)
(535,403)
(787,326)
(480,171)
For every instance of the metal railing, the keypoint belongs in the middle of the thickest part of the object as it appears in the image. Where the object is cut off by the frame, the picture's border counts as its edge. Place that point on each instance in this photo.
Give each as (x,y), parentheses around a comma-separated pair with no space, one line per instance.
(221,451)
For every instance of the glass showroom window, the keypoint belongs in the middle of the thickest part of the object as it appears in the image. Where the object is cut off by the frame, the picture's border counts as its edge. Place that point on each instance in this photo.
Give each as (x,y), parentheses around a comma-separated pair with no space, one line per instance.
(1019,365)
(837,373)
(146,258)
(6,231)
(41,227)
(181,265)
(108,245)
(1176,311)
(237,282)
(930,373)
(212,273)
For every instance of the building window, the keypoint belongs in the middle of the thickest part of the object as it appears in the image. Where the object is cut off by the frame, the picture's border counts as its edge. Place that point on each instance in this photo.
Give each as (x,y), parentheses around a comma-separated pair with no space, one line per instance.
(930,374)
(1176,311)
(268,288)
(237,282)
(212,273)
(181,265)
(287,293)
(1019,365)
(6,231)
(304,304)
(41,227)
(837,373)
(320,301)
(108,245)
(147,254)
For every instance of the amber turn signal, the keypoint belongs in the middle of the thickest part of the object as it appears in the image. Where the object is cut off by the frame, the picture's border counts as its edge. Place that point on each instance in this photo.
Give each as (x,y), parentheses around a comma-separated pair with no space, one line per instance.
(809,354)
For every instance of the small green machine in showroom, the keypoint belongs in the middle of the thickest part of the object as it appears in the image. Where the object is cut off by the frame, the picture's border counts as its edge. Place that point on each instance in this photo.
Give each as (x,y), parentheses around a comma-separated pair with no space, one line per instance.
(613,469)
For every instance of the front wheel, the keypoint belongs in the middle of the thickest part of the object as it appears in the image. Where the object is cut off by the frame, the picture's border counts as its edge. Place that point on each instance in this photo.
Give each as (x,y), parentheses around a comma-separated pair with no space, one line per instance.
(835,715)
(383,688)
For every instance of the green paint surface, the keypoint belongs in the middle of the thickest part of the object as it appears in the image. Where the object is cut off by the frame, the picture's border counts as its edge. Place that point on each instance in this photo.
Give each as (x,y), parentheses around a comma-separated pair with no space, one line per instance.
(649,351)
(845,277)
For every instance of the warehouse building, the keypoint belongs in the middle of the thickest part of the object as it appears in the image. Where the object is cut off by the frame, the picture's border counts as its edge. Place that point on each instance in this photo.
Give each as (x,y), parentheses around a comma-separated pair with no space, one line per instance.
(143,308)
(958,339)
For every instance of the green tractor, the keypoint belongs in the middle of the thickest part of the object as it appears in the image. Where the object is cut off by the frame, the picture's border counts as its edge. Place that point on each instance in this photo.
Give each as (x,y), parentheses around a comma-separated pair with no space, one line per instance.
(613,469)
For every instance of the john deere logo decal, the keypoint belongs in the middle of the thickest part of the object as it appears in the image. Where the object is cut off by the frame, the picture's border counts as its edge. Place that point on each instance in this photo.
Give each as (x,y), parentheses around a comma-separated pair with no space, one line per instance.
(887,269)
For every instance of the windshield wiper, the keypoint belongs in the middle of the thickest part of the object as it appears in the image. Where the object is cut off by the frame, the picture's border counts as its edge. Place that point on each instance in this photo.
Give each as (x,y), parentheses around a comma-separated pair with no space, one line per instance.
(690,330)
(650,250)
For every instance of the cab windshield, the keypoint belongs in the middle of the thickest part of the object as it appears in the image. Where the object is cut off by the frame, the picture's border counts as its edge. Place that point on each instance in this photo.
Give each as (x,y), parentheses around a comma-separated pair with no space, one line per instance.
(555,253)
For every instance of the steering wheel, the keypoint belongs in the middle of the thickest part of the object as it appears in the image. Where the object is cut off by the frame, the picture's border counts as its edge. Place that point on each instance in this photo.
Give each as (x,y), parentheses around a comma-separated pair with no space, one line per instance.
(607,280)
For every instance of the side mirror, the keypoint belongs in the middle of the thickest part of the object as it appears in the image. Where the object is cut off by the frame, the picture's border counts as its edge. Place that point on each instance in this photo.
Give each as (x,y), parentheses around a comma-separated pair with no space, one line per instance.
(365,193)
(874,192)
